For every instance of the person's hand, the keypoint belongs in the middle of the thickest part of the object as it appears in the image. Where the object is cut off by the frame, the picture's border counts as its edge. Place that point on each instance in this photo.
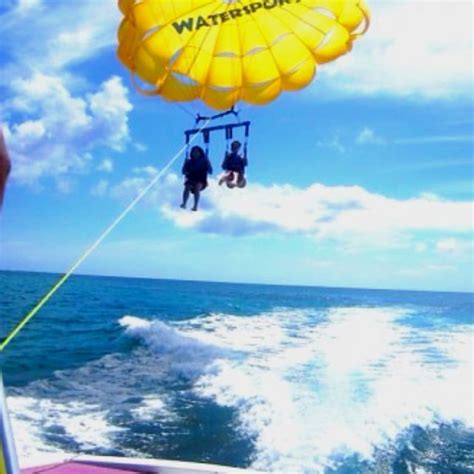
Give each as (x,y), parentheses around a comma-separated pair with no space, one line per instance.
(5,166)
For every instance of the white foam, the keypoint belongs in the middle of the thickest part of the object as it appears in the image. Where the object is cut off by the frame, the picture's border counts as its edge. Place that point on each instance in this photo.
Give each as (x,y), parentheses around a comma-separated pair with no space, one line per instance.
(134,323)
(150,408)
(316,392)
(309,388)
(178,350)
(32,418)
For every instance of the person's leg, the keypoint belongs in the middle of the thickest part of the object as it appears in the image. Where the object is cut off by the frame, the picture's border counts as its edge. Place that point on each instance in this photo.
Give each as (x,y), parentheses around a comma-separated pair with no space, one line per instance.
(225,177)
(197,194)
(241,180)
(230,180)
(187,190)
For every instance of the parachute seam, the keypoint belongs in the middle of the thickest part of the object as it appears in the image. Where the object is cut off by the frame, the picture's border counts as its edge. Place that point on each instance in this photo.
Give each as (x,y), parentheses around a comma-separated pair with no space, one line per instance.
(291,32)
(197,54)
(270,51)
(353,36)
(156,90)
(129,15)
(206,84)
(325,34)
(303,20)
(239,33)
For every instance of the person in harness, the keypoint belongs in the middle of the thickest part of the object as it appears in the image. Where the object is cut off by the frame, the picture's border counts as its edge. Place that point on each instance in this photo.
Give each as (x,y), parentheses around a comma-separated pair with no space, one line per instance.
(196,168)
(234,165)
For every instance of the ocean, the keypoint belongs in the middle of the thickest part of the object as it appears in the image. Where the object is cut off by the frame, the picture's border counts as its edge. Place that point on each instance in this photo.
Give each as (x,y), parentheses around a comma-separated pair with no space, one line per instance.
(282,379)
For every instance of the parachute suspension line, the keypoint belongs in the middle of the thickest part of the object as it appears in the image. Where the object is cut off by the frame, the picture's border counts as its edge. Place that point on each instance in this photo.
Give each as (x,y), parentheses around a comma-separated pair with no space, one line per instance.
(246,139)
(202,118)
(228,130)
(228,137)
(14,332)
(183,108)
(188,146)
(206,136)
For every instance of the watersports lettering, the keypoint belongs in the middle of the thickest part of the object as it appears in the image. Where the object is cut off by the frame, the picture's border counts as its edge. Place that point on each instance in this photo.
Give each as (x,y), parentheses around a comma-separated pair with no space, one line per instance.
(196,23)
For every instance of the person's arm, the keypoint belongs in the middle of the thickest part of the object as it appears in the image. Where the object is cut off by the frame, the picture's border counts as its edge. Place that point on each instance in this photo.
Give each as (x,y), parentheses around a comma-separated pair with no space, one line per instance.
(184,169)
(224,163)
(209,166)
(5,166)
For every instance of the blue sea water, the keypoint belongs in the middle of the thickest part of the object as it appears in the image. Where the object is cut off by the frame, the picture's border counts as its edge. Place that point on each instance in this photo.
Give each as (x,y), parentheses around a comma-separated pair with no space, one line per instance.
(282,379)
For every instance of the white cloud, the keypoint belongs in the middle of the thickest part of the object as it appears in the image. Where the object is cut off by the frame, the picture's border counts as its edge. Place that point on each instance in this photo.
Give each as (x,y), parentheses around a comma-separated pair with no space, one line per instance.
(110,106)
(25,6)
(52,128)
(349,214)
(59,130)
(101,188)
(48,36)
(367,136)
(106,165)
(412,48)
(64,185)
(165,191)
(335,144)
(141,147)
(147,170)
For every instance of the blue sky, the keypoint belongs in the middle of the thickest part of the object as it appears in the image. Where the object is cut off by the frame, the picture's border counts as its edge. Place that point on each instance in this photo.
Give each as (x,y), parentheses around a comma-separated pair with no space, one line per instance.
(363,179)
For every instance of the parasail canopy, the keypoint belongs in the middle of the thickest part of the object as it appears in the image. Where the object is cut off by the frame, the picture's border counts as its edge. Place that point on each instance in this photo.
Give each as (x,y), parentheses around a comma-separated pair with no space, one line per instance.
(226,51)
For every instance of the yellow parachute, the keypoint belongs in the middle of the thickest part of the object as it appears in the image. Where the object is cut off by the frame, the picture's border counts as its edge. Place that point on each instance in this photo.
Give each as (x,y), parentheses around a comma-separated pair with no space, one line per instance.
(226,51)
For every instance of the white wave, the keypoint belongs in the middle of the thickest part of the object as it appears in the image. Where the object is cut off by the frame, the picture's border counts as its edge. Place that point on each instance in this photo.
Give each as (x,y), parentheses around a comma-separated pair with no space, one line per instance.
(243,333)
(177,350)
(34,419)
(73,408)
(316,392)
(310,388)
(84,409)
(150,408)
(133,323)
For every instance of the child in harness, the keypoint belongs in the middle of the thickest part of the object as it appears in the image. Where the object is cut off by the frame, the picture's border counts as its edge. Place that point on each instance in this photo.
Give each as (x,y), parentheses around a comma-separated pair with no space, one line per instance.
(234,167)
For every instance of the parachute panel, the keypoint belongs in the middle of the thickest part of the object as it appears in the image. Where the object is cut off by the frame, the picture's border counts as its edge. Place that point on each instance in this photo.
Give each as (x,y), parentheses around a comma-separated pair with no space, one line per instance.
(223,51)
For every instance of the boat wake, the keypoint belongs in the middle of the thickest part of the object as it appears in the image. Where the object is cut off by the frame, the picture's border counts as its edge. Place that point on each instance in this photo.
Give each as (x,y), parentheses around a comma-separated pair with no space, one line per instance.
(309,390)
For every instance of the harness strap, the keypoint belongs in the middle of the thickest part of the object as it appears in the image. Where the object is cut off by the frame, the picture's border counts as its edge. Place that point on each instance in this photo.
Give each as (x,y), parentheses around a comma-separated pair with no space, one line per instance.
(246,139)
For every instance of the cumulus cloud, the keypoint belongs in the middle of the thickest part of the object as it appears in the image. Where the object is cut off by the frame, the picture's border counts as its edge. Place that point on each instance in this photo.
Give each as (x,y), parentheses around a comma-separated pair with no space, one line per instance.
(342,213)
(55,121)
(413,48)
(55,131)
